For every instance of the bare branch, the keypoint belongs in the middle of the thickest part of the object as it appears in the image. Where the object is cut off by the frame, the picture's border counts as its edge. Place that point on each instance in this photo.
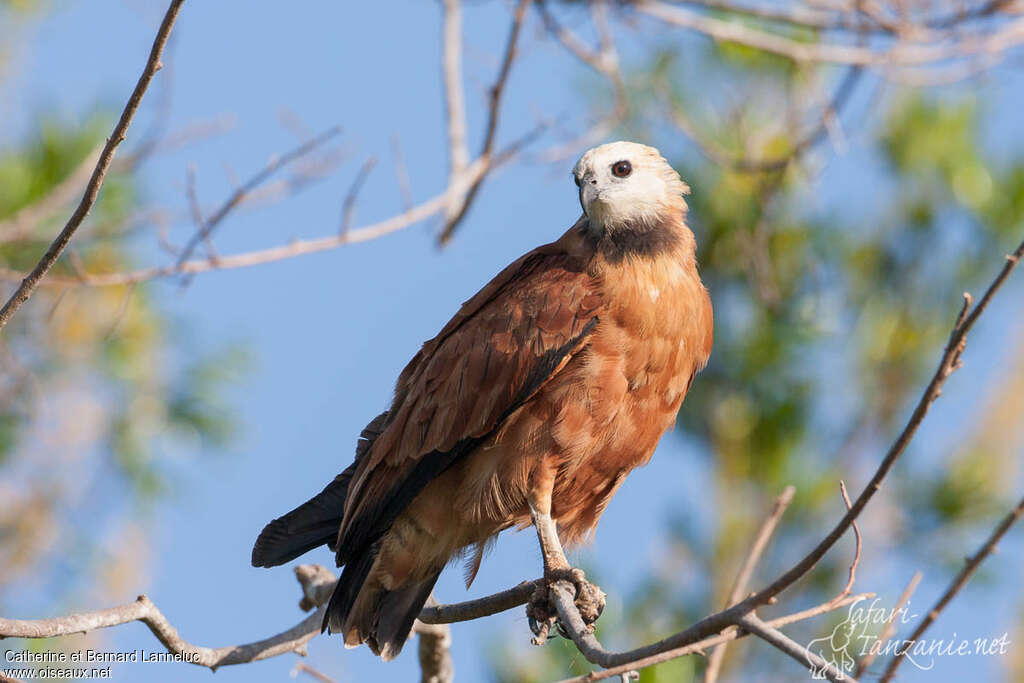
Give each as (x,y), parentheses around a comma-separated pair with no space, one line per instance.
(29,284)
(796,15)
(852,578)
(739,586)
(792,648)
(302,667)
(481,607)
(477,169)
(401,173)
(455,97)
(604,61)
(961,579)
(434,650)
(716,153)
(903,53)
(315,583)
(948,363)
(760,543)
(210,224)
(727,635)
(349,205)
(889,627)
(494,109)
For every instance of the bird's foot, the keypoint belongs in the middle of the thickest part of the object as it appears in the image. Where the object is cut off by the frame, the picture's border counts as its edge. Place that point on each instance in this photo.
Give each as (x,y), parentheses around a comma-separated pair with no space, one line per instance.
(542,614)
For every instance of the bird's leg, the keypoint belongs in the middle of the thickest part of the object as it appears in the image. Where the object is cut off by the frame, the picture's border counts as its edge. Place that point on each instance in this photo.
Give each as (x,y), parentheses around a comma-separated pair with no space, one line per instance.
(589,598)
(542,484)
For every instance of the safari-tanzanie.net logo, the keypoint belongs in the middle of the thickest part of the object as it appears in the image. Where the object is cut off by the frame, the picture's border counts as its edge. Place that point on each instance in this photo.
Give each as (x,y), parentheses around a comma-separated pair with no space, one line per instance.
(857,638)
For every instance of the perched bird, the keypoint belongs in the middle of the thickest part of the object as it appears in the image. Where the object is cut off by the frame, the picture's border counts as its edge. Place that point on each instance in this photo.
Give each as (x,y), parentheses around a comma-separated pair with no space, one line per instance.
(530,407)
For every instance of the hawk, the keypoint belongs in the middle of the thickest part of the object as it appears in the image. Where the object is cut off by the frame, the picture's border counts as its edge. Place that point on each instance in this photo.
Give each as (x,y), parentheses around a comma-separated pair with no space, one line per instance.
(529,407)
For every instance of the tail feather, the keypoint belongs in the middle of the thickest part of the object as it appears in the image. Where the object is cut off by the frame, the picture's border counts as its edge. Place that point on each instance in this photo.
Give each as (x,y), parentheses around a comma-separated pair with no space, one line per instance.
(364,612)
(398,611)
(315,522)
(339,608)
(312,524)
(360,608)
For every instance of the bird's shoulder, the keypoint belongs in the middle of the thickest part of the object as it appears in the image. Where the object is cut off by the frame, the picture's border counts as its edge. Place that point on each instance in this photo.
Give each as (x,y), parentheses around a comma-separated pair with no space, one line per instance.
(544,297)
(492,357)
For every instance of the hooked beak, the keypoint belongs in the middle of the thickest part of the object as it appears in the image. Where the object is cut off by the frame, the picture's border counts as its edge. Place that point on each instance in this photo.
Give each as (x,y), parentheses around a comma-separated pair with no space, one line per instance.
(588,191)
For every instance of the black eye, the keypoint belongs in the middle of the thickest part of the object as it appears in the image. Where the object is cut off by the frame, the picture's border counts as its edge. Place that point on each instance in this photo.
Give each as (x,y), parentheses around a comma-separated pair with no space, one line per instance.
(576,179)
(621,169)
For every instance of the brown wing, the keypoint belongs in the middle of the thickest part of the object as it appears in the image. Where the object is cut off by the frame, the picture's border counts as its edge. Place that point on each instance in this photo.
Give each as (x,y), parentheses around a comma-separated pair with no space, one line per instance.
(497,351)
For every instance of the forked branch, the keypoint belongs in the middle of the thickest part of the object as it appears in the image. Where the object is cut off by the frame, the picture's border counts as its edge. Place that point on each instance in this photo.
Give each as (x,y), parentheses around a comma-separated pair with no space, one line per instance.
(92,190)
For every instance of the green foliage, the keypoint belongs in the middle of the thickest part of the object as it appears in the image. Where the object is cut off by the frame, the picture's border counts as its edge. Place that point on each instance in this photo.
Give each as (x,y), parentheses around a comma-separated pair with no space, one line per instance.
(92,379)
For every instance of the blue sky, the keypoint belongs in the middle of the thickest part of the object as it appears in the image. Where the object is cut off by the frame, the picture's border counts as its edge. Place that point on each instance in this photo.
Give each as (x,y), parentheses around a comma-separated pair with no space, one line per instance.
(330,332)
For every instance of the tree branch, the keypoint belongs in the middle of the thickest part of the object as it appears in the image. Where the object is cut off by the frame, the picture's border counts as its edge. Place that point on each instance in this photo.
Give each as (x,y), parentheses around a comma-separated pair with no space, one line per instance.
(904,53)
(889,627)
(479,168)
(206,228)
(961,579)
(948,363)
(481,607)
(716,153)
(494,109)
(31,282)
(455,97)
(604,61)
(348,207)
(782,642)
(317,584)
(742,580)
(434,650)
(728,634)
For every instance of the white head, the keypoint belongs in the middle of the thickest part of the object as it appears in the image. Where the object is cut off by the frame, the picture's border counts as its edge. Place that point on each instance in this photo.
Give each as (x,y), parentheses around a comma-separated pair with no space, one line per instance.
(627,184)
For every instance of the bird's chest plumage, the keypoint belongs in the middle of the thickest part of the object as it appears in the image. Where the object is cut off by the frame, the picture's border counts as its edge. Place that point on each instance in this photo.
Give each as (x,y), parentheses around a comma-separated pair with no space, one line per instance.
(620,395)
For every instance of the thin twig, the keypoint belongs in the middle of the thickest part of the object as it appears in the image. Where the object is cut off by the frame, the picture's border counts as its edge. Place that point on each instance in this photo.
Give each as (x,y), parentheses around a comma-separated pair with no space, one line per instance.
(782,642)
(455,97)
(494,109)
(302,667)
(604,61)
(961,579)
(401,173)
(948,363)
(852,577)
(295,248)
(901,54)
(742,580)
(722,157)
(727,635)
(210,224)
(145,611)
(92,190)
(890,626)
(349,205)
(435,650)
